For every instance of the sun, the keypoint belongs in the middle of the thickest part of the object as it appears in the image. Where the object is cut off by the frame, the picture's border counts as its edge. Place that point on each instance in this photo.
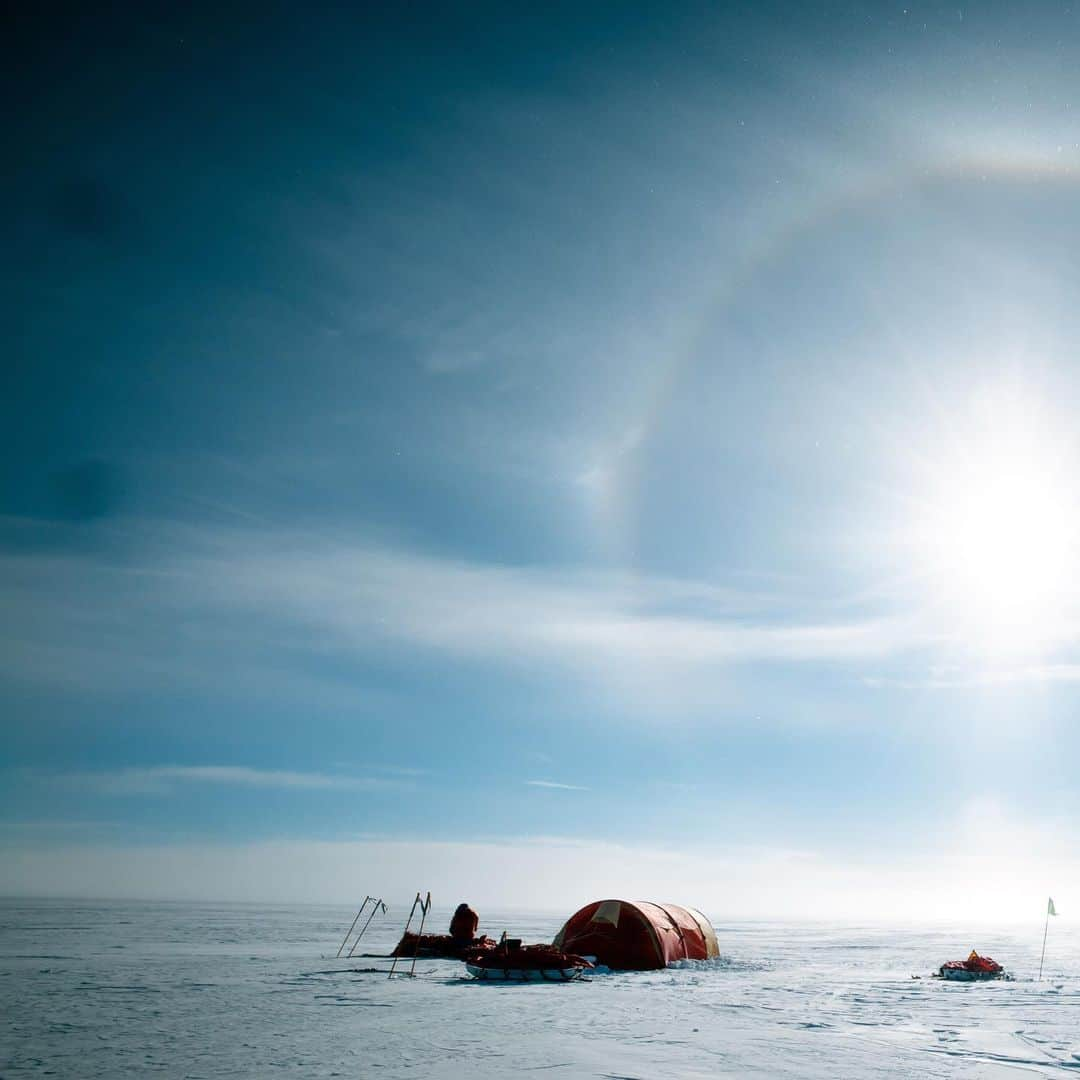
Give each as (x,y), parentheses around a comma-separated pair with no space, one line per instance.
(1000,538)
(996,529)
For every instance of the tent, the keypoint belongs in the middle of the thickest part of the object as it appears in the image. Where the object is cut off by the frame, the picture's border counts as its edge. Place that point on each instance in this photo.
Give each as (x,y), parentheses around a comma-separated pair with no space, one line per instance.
(634,935)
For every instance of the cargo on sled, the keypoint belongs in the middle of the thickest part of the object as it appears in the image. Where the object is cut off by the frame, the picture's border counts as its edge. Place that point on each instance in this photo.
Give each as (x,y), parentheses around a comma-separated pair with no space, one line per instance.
(975,968)
(510,961)
(439,946)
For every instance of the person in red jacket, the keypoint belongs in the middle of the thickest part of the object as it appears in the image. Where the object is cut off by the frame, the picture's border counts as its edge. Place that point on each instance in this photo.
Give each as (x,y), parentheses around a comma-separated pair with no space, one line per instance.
(464,923)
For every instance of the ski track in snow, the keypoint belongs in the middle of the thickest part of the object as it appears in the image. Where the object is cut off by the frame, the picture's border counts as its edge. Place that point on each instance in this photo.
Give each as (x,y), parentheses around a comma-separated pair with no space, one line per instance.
(96,989)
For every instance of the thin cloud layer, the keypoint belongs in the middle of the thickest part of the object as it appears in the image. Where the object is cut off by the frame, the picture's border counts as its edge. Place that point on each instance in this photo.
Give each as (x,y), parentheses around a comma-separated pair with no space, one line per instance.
(707,437)
(166,779)
(265,603)
(558,875)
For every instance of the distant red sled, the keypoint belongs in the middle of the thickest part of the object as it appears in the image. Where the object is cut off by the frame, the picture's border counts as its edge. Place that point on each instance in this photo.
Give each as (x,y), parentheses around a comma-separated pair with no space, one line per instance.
(975,968)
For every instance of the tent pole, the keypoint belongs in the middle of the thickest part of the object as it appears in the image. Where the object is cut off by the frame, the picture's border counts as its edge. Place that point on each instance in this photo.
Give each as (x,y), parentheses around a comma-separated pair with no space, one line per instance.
(425,907)
(412,911)
(374,909)
(1045,928)
(354,922)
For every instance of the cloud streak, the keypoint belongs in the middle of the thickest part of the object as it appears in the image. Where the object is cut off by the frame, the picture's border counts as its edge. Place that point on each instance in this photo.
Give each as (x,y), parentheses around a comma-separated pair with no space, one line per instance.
(164,779)
(555,784)
(977,677)
(250,613)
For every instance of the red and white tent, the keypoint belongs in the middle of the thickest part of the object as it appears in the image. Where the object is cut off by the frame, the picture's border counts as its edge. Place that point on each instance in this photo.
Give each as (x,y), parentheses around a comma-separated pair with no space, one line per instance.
(635,935)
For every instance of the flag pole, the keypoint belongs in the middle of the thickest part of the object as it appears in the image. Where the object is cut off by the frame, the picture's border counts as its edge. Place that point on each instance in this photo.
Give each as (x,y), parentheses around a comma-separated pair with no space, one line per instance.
(1045,928)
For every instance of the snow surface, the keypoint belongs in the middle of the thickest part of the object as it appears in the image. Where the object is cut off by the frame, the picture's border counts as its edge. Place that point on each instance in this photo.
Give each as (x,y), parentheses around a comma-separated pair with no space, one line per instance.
(112,989)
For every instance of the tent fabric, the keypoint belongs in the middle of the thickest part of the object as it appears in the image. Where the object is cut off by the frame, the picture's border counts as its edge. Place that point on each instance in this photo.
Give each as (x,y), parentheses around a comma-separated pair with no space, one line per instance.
(636,935)
(712,946)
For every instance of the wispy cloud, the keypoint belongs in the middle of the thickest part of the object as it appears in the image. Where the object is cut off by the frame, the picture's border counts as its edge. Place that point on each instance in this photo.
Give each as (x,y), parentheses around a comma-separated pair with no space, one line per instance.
(41,828)
(555,784)
(162,779)
(955,678)
(248,613)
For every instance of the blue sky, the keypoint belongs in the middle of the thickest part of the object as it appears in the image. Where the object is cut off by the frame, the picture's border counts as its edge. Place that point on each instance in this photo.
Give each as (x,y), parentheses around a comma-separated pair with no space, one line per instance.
(637,436)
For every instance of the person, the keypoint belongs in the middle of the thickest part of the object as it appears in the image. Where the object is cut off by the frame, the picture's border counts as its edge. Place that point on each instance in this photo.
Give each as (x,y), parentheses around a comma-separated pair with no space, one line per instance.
(464,923)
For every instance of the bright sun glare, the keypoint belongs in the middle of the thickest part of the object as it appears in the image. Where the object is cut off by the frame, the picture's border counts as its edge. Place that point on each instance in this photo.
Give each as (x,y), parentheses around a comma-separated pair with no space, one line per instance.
(999,529)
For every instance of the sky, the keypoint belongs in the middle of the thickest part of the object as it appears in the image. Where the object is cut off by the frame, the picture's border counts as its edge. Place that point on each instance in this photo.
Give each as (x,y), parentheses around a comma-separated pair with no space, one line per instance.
(601,449)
